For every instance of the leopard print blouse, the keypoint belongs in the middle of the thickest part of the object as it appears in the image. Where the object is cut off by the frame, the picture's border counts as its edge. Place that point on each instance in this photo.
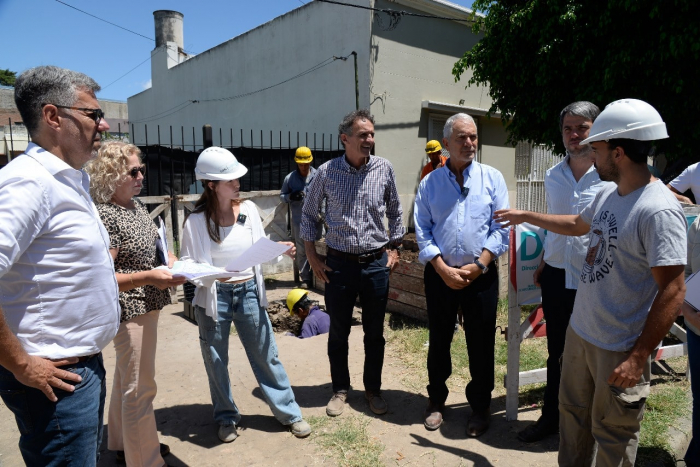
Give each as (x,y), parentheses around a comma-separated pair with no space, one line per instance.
(134,234)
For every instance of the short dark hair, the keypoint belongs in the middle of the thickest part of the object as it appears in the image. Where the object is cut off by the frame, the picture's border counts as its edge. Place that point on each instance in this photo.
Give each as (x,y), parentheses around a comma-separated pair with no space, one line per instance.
(345,127)
(48,85)
(636,150)
(583,109)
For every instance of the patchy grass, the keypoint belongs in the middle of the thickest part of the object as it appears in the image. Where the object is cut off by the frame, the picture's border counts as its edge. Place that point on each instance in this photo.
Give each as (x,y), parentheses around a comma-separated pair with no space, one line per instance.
(346,440)
(407,339)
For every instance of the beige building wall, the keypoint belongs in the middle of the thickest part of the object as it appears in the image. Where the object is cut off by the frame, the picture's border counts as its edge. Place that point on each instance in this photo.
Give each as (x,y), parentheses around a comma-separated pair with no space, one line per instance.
(410,70)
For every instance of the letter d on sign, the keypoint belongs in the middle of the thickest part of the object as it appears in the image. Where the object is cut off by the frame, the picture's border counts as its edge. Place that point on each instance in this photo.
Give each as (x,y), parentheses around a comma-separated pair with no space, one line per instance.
(524,256)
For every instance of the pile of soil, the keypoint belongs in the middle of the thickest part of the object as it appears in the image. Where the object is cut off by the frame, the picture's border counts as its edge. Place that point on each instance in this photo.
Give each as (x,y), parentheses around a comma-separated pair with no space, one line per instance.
(410,248)
(283,321)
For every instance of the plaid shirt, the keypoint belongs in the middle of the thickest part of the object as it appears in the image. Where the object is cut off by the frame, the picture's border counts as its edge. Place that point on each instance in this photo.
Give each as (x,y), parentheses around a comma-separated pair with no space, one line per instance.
(357,201)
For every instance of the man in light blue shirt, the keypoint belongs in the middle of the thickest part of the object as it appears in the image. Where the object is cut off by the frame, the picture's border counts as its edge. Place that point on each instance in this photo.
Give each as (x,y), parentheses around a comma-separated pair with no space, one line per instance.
(570,186)
(458,242)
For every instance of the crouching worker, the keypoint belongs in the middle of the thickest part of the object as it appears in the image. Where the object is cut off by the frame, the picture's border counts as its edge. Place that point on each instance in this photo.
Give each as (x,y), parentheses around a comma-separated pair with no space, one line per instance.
(314,320)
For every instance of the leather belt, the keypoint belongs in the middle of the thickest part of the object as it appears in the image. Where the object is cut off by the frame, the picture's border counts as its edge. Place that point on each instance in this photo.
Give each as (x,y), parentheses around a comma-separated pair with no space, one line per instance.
(361,258)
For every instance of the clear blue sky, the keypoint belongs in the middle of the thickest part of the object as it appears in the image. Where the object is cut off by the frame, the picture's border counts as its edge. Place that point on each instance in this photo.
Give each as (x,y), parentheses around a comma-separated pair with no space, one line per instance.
(47,32)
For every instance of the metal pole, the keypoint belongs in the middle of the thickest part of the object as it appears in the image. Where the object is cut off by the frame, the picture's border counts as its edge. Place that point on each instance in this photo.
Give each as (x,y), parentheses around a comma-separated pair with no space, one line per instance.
(357,89)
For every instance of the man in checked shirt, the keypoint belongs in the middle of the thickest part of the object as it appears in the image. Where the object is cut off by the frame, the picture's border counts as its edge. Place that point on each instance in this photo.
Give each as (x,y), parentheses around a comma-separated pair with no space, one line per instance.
(360,190)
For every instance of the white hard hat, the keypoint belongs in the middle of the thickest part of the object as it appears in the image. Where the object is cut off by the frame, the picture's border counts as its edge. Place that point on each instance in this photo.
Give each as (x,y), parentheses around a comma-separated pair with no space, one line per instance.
(217,163)
(627,119)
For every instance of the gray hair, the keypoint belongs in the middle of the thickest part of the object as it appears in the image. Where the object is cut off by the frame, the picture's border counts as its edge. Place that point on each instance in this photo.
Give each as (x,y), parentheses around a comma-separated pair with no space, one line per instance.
(585,109)
(345,127)
(48,85)
(450,123)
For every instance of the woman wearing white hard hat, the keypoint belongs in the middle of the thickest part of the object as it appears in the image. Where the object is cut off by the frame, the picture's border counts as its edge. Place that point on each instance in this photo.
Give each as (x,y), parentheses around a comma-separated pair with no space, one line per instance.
(220,228)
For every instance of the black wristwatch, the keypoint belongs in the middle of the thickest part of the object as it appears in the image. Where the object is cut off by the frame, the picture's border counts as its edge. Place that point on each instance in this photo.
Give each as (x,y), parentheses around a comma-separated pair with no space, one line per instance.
(398,246)
(484,269)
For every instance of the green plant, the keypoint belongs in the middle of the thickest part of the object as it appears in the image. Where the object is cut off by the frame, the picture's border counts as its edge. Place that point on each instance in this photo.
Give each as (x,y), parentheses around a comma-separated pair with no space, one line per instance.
(538,56)
(346,439)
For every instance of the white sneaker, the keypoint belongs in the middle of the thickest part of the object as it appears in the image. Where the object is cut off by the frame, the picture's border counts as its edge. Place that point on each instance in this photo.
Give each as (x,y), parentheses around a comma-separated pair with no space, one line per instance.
(227,433)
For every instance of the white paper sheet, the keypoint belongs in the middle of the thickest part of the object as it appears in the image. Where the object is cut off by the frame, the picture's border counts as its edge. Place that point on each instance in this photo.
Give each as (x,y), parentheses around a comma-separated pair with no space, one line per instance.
(692,291)
(162,244)
(262,251)
(190,270)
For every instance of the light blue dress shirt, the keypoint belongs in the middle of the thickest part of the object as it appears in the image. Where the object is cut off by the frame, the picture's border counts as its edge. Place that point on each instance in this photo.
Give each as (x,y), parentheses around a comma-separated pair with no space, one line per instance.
(459,227)
(567,196)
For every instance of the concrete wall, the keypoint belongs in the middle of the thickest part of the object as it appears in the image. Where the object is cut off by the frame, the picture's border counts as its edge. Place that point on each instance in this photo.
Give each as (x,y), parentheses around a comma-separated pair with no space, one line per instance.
(413,63)
(264,56)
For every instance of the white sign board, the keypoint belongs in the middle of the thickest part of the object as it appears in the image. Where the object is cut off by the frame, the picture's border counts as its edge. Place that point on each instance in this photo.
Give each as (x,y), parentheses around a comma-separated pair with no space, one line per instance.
(529,243)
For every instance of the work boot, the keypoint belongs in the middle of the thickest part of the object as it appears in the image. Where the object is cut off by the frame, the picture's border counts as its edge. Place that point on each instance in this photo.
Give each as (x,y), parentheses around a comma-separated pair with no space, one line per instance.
(300,429)
(377,404)
(227,433)
(337,404)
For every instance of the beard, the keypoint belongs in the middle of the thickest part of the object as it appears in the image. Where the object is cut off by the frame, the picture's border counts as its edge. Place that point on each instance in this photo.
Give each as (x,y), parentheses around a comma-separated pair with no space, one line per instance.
(581,152)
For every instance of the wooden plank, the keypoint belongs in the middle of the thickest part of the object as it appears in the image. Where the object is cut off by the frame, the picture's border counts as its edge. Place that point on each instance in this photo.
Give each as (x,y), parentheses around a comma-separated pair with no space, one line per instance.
(159,209)
(154,199)
(529,377)
(410,269)
(513,362)
(670,351)
(408,283)
(407,297)
(679,332)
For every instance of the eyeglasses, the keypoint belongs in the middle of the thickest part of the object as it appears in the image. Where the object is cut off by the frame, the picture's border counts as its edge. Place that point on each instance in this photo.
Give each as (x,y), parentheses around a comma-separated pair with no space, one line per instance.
(95,114)
(135,171)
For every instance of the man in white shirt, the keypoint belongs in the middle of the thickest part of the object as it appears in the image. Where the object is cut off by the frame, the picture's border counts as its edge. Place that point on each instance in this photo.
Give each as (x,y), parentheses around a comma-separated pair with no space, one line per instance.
(59,304)
(689,179)
(570,186)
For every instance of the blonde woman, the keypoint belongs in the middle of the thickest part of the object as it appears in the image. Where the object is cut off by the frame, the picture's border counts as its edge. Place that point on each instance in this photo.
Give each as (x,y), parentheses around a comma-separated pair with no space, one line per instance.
(116,177)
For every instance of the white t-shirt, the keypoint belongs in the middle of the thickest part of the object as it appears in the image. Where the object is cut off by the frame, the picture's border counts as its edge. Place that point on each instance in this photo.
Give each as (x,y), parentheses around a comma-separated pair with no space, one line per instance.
(235,240)
(689,179)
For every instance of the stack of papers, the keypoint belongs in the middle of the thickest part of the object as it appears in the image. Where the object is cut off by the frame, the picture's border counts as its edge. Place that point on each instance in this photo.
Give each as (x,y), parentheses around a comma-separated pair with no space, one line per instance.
(262,251)
(692,291)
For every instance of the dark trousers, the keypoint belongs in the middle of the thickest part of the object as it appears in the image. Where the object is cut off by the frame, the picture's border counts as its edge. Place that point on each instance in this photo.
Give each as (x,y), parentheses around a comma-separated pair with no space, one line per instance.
(557,304)
(371,282)
(478,302)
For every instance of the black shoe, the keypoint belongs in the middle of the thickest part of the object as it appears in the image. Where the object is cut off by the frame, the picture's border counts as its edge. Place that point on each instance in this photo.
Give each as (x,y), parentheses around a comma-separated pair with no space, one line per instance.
(478,423)
(538,431)
(164,451)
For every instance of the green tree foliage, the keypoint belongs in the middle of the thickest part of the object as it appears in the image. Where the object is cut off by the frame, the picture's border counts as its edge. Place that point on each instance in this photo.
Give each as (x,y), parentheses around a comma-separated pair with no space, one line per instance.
(7,77)
(537,56)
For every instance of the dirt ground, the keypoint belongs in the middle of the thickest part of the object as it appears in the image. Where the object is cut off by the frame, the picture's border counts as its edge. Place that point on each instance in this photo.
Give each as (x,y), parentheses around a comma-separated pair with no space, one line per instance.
(184,411)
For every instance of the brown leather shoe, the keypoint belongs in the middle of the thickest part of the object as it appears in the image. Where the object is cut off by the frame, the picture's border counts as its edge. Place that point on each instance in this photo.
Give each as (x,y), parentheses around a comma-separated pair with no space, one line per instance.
(433,416)
(478,423)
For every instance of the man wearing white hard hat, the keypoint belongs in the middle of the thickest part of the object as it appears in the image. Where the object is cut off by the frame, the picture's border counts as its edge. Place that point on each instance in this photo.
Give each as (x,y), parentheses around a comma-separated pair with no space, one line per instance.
(220,229)
(631,288)
(293,191)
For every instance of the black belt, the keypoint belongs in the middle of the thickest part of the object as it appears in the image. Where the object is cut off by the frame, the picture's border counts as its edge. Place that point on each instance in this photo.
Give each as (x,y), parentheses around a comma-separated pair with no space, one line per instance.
(83,359)
(361,258)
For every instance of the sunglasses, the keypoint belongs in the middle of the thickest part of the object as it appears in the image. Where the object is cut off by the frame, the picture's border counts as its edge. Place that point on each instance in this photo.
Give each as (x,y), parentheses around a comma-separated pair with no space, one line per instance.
(95,114)
(135,171)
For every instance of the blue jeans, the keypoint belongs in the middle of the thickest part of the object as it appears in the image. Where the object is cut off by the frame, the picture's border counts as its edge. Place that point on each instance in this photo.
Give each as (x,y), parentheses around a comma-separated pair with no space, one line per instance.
(692,456)
(238,303)
(63,433)
(371,282)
